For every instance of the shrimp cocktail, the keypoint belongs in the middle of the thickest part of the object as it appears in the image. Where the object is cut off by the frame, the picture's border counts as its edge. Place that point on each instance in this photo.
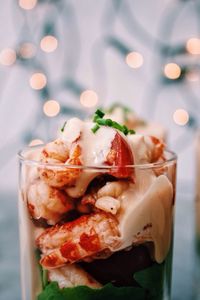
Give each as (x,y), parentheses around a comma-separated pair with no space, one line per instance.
(96,214)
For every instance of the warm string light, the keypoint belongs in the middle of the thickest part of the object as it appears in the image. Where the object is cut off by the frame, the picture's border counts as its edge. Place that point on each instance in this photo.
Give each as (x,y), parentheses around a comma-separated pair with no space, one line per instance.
(36,142)
(38,81)
(134,60)
(89,98)
(7,57)
(181,117)
(51,108)
(27,50)
(27,4)
(49,43)
(193,46)
(172,71)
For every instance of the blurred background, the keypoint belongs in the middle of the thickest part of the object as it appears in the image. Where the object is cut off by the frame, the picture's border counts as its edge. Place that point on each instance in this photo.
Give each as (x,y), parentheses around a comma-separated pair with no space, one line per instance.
(61,58)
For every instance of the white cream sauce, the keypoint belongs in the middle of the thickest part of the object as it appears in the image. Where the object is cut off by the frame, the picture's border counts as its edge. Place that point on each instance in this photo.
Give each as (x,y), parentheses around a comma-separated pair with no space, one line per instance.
(82,183)
(72,130)
(94,146)
(141,207)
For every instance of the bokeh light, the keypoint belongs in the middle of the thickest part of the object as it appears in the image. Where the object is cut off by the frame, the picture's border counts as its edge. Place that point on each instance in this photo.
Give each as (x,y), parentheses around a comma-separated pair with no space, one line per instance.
(192,76)
(172,71)
(38,81)
(49,43)
(7,57)
(51,108)
(181,117)
(89,98)
(36,142)
(27,50)
(27,4)
(134,60)
(193,46)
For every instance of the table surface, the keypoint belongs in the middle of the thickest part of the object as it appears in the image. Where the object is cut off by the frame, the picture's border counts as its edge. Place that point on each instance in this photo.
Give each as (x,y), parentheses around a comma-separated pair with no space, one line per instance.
(185,265)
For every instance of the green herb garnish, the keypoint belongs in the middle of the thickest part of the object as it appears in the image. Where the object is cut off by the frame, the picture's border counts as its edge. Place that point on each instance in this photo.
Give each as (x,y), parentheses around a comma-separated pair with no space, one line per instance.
(100,121)
(131,131)
(63,128)
(95,128)
(99,113)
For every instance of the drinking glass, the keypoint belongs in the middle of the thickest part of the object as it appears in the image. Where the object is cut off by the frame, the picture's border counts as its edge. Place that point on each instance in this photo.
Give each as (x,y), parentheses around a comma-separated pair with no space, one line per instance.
(122,254)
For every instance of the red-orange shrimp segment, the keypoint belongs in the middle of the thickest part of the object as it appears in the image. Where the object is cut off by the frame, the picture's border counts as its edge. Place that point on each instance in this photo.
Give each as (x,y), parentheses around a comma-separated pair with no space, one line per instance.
(78,240)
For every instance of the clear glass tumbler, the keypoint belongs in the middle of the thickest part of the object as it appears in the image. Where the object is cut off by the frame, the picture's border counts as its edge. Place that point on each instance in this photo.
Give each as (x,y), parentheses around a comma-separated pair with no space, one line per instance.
(103,237)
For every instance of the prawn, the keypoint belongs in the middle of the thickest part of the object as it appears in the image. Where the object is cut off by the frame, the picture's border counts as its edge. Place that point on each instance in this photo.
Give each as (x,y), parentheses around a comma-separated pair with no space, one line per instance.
(106,198)
(47,202)
(58,153)
(72,275)
(78,240)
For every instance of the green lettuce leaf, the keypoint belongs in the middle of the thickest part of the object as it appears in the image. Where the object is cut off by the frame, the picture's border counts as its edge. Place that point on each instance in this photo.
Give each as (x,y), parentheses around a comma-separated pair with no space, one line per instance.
(53,292)
(150,287)
(43,272)
(152,280)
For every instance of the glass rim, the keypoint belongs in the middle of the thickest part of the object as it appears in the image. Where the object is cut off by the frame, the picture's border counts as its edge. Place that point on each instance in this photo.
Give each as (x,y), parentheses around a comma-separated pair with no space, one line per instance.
(159,164)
